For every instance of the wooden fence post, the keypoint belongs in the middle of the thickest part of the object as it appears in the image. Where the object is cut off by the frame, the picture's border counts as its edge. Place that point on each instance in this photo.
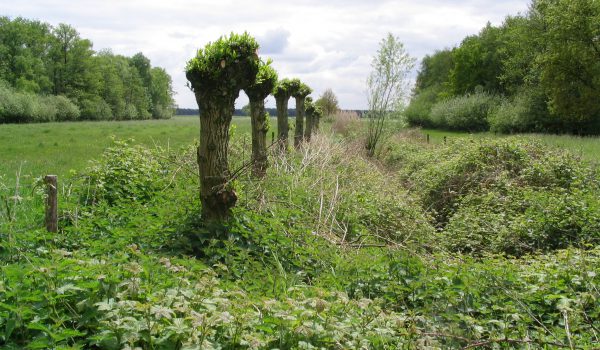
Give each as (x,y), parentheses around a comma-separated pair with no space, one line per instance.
(272,137)
(427,138)
(51,182)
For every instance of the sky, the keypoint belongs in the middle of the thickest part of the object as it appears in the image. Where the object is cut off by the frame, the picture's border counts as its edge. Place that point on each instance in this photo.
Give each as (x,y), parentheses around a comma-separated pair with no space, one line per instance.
(327,43)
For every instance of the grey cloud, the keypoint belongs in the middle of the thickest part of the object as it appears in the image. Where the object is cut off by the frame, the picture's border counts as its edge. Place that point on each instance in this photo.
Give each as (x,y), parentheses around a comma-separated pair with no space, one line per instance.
(273,41)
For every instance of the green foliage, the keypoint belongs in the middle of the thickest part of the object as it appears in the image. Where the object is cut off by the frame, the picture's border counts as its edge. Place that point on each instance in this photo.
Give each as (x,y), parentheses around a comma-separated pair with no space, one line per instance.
(265,82)
(434,71)
(124,174)
(224,67)
(477,63)
(468,112)
(283,90)
(328,102)
(570,61)
(526,111)
(418,112)
(545,62)
(24,107)
(301,264)
(386,87)
(299,89)
(503,196)
(36,58)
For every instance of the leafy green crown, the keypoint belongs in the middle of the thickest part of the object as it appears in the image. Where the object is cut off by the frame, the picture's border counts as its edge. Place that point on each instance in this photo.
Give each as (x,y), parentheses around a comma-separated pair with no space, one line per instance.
(225,66)
(265,82)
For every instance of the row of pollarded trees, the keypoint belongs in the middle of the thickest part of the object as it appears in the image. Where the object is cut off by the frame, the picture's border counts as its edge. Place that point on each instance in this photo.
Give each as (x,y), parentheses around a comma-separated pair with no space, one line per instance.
(217,74)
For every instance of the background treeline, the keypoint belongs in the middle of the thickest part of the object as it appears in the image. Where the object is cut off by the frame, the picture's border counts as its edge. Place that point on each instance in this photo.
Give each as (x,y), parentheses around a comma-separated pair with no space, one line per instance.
(52,74)
(537,72)
(244,112)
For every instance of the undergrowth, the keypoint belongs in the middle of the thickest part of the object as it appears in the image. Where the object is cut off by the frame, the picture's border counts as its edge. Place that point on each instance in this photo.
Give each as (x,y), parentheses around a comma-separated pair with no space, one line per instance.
(329,251)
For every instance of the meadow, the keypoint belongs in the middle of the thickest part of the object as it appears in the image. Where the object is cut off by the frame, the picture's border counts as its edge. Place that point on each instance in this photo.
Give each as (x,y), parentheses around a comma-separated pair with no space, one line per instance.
(34,150)
(58,148)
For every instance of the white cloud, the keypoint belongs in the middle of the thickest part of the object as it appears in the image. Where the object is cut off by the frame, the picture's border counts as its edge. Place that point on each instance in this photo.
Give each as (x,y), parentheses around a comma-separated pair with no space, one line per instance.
(328,44)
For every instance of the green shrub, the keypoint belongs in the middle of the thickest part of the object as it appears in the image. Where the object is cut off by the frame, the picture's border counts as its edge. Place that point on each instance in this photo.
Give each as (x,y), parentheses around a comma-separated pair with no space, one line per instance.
(161,112)
(523,221)
(418,112)
(65,109)
(527,111)
(124,174)
(468,112)
(501,195)
(95,109)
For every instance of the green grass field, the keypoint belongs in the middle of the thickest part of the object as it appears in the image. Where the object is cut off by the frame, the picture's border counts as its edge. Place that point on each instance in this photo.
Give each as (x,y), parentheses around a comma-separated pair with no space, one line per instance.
(39,149)
(587,148)
(34,150)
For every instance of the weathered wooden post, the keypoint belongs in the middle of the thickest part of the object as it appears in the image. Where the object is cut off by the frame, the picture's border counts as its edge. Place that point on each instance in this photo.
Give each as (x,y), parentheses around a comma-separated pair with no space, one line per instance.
(272,137)
(427,138)
(51,182)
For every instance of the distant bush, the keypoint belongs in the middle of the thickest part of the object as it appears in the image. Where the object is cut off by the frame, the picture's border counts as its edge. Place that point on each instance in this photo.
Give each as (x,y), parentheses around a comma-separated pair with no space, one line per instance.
(66,110)
(23,107)
(527,111)
(343,122)
(468,112)
(95,109)
(161,112)
(419,110)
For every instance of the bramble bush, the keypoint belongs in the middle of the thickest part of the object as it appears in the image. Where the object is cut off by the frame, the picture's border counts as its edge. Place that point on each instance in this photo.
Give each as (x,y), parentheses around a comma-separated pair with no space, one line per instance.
(509,196)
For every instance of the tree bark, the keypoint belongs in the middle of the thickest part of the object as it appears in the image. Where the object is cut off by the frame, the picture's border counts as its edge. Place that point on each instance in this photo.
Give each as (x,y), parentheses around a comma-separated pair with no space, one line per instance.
(282,122)
(299,132)
(316,121)
(216,193)
(309,126)
(260,127)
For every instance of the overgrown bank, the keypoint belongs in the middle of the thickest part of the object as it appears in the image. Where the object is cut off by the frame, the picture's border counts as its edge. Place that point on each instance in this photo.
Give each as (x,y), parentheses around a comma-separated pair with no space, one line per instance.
(327,251)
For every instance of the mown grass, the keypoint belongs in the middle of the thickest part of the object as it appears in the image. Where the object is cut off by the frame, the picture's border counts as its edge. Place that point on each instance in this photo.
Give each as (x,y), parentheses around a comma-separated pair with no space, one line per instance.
(587,148)
(39,149)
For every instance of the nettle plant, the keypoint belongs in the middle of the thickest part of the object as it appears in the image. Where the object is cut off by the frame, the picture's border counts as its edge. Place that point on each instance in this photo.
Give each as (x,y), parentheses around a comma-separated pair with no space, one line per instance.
(216,75)
(300,91)
(263,85)
(282,92)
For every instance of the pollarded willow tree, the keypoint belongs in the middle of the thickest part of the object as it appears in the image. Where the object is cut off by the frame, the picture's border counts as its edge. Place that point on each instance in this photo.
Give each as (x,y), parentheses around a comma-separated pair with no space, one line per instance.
(299,92)
(265,81)
(282,93)
(309,109)
(317,114)
(216,75)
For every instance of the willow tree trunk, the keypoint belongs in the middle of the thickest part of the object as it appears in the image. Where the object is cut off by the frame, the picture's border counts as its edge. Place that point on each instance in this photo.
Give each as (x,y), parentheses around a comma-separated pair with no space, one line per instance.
(216,193)
(259,137)
(282,122)
(299,132)
(309,126)
(316,120)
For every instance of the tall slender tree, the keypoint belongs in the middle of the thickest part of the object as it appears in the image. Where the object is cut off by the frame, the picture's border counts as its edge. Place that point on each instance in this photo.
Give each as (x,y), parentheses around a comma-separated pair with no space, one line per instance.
(266,79)
(216,75)
(282,93)
(299,92)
